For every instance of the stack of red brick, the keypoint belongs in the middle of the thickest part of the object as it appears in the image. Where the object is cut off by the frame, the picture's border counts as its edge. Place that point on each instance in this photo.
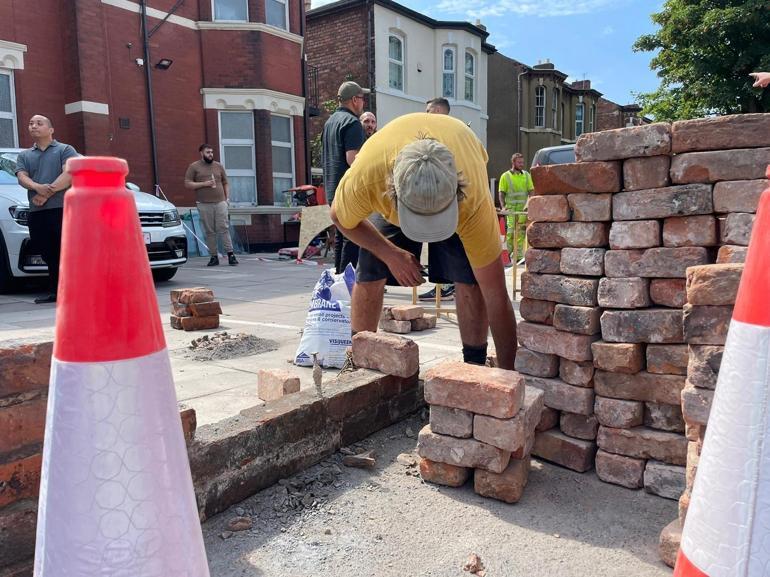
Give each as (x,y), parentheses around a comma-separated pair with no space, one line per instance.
(403,319)
(194,309)
(482,420)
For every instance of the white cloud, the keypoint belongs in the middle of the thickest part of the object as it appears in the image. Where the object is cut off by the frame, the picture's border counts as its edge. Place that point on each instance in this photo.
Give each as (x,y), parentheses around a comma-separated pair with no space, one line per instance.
(319,3)
(541,9)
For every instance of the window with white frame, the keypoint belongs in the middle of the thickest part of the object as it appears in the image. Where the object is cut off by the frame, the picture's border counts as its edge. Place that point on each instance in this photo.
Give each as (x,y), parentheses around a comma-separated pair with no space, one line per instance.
(8,132)
(540,107)
(591,117)
(579,111)
(230,10)
(395,62)
(277,13)
(448,78)
(282,142)
(555,109)
(470,77)
(236,138)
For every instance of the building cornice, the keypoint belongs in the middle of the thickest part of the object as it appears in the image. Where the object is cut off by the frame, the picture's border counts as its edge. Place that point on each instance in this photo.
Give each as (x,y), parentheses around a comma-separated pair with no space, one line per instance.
(12,55)
(253,99)
(251,26)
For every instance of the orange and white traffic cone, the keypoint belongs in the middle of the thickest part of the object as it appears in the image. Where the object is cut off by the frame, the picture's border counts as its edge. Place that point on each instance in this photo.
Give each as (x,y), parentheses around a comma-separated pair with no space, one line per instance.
(727,530)
(506,256)
(116,495)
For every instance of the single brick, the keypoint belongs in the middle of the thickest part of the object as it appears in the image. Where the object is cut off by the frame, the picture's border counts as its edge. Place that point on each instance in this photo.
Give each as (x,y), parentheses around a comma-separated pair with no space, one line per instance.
(634,234)
(586,207)
(582,261)
(194,323)
(481,390)
(653,262)
(452,422)
(620,470)
(549,419)
(188,296)
(617,413)
(542,261)
(668,292)
(641,386)
(394,326)
(407,312)
(22,424)
(507,486)
(424,323)
(736,228)
(745,163)
(618,357)
(577,177)
(558,288)
(580,320)
(645,173)
(20,479)
(731,253)
(461,452)
(668,544)
(574,454)
(706,325)
(713,284)
(561,234)
(667,481)
(180,310)
(443,474)
(546,339)
(387,313)
(388,354)
(536,364)
(189,423)
(537,311)
(738,195)
(696,405)
(703,365)
(667,359)
(643,443)
(664,417)
(575,373)
(721,132)
(579,426)
(623,293)
(24,366)
(511,434)
(205,309)
(663,202)
(634,141)
(563,397)
(273,384)
(698,230)
(548,209)
(642,326)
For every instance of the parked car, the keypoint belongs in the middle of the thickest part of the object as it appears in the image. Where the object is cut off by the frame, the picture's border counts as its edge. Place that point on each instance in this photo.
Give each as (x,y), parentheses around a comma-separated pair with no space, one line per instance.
(562,154)
(162,229)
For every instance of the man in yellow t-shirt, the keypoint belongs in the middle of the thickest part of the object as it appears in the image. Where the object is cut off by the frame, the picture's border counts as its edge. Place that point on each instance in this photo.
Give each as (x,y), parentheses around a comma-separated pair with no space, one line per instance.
(514,189)
(423,178)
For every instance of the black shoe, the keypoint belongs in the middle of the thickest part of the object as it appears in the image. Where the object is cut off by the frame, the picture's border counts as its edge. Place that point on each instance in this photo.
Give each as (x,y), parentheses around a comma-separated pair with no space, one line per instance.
(50,298)
(447,293)
(231,260)
(213,261)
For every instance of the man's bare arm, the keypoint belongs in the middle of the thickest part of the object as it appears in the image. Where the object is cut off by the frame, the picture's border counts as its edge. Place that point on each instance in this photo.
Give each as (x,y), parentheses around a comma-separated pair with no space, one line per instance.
(350,156)
(502,321)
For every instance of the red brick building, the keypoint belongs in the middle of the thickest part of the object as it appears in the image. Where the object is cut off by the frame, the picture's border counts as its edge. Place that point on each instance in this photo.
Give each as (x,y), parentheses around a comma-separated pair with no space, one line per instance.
(226,72)
(611,115)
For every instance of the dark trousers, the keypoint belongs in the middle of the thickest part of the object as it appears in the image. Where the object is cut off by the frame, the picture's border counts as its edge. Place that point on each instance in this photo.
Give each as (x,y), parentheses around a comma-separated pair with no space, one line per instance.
(345,251)
(45,232)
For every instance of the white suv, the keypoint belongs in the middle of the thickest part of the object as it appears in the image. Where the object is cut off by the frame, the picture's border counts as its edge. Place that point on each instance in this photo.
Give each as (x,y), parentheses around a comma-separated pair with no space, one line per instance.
(163,233)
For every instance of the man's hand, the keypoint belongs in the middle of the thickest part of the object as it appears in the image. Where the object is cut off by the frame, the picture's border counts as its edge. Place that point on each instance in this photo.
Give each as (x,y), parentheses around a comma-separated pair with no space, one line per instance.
(405,267)
(761,79)
(39,200)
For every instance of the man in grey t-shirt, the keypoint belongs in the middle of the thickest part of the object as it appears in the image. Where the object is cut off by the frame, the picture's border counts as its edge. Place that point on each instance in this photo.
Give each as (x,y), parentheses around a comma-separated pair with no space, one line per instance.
(40,170)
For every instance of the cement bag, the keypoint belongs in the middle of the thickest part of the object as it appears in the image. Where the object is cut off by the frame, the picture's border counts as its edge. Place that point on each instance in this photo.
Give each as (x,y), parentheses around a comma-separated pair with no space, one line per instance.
(327,326)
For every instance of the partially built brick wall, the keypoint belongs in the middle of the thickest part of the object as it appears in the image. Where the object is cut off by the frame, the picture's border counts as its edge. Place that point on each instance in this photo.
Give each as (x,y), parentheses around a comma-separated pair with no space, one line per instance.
(606,325)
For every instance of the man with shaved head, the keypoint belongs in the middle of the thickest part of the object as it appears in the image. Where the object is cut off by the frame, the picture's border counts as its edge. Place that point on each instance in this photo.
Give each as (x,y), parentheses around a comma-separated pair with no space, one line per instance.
(40,170)
(369,122)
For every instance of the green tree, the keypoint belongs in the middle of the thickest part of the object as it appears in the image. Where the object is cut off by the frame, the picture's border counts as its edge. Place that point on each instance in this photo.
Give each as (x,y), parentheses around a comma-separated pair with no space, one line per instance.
(705,52)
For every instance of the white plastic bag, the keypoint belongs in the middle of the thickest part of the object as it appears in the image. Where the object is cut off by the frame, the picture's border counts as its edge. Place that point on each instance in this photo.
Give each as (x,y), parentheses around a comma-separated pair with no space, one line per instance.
(327,326)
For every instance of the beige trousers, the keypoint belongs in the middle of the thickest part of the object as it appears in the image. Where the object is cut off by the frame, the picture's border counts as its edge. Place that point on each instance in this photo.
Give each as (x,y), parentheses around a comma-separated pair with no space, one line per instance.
(214,221)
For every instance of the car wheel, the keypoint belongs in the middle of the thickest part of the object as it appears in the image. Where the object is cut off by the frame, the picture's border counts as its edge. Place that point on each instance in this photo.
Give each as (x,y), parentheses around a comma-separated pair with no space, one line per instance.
(7,281)
(163,274)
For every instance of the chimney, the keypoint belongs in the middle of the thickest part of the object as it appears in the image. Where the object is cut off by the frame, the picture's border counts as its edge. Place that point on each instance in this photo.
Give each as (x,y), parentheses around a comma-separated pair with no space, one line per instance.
(307,6)
(480,25)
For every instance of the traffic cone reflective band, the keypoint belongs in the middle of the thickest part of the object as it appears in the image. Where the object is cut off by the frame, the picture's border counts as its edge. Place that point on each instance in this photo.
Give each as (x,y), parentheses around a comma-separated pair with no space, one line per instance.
(116,495)
(506,256)
(727,530)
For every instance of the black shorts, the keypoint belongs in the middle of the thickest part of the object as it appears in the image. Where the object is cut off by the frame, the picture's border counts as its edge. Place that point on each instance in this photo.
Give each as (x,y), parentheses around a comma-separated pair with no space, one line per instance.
(447,261)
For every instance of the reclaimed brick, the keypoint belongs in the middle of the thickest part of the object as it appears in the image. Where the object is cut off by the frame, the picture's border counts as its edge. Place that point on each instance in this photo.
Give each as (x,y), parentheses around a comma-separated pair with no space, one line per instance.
(20,479)
(394,326)
(693,460)
(745,163)
(703,365)
(561,234)
(684,504)
(739,195)
(668,292)
(618,413)
(642,326)
(507,486)
(664,480)
(620,470)
(586,207)
(579,426)
(559,288)
(635,141)
(641,386)
(511,434)
(580,320)
(698,230)
(443,474)
(194,323)
(694,433)
(706,325)
(461,452)
(452,422)
(577,177)
(24,366)
(563,397)
(582,261)
(424,322)
(549,419)
(644,443)
(667,359)
(731,253)
(645,173)
(188,296)
(387,313)
(623,293)
(548,209)
(273,384)
(407,312)
(663,202)
(537,311)
(546,339)
(539,260)
(536,364)
(481,390)
(736,227)
(664,417)
(180,310)
(696,405)
(387,354)
(189,422)
(653,262)
(668,544)
(574,373)
(205,309)
(618,357)
(555,446)
(634,234)
(22,424)
(721,132)
(713,284)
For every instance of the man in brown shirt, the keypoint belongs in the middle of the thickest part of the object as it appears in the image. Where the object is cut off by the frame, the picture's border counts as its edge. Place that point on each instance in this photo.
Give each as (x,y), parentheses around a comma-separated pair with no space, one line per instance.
(209,181)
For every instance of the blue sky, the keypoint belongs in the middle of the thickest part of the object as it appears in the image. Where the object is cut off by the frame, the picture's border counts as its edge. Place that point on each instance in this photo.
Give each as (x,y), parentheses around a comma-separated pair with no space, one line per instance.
(589,39)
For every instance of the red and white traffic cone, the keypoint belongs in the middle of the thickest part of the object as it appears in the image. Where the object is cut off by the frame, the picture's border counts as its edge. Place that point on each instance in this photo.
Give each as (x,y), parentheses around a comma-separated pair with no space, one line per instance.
(116,495)
(727,530)
(506,256)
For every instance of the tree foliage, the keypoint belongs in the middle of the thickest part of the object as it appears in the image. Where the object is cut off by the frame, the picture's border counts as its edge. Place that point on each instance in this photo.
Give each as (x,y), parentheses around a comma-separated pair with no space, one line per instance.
(705,51)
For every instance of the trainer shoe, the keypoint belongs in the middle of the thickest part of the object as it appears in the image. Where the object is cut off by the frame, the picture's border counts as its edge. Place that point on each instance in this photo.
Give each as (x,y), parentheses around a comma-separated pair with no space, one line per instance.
(231,260)
(447,293)
(213,261)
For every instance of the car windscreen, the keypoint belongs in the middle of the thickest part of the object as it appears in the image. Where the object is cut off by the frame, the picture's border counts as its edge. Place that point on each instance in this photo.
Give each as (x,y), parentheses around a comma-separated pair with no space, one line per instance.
(562,156)
(8,168)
